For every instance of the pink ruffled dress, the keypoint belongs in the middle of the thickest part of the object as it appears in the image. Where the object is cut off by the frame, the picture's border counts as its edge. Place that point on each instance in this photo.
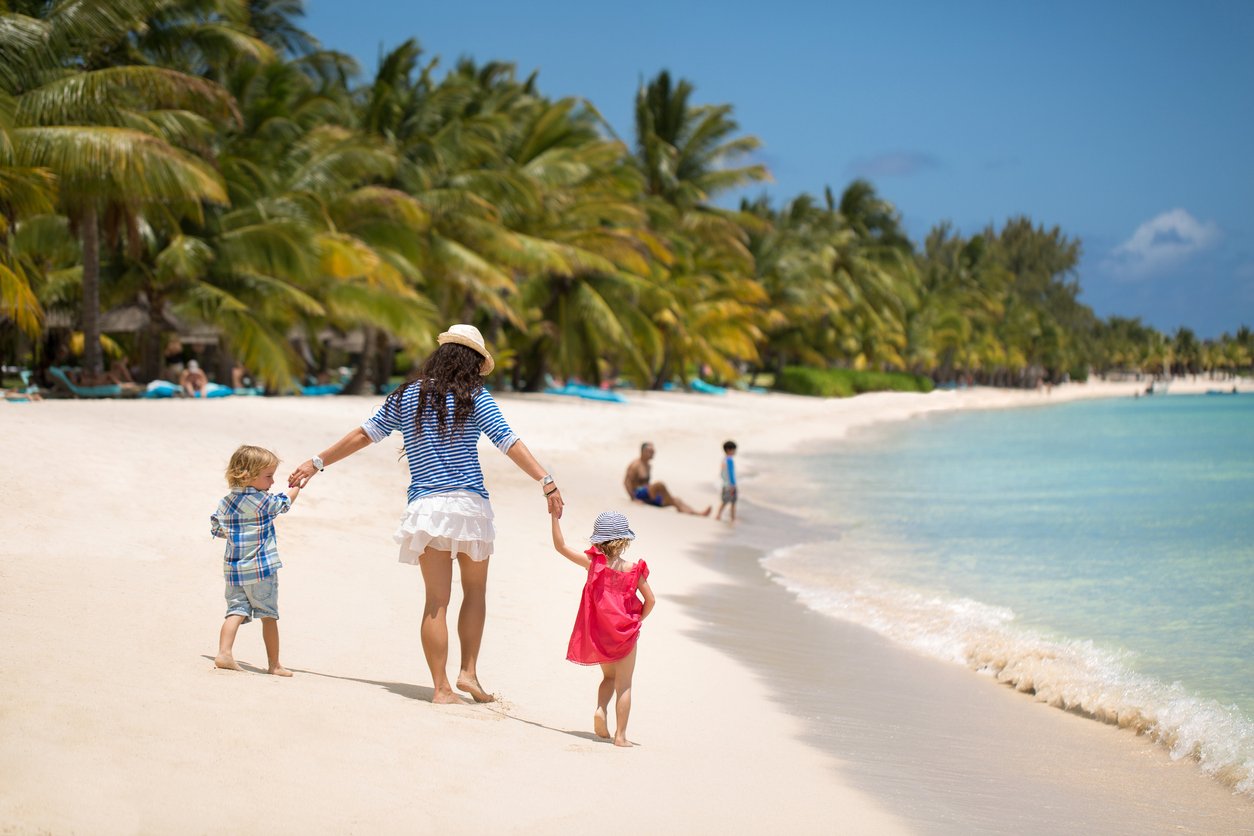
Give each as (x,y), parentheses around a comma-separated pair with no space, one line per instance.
(608,622)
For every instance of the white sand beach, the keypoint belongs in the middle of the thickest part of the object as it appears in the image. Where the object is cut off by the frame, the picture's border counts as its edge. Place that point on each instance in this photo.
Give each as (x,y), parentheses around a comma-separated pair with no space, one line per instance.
(114,720)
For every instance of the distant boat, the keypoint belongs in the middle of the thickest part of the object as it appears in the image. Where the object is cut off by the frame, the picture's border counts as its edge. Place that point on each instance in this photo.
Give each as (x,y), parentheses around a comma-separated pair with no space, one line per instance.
(1232,391)
(1158,387)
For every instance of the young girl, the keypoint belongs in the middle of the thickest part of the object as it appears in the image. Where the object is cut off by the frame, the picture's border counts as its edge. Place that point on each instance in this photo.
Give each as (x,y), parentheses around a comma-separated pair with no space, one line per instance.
(608,622)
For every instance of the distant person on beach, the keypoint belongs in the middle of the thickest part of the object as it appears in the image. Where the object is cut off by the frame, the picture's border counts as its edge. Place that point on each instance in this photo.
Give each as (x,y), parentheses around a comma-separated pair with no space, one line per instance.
(727,475)
(193,381)
(641,489)
(607,624)
(441,413)
(245,519)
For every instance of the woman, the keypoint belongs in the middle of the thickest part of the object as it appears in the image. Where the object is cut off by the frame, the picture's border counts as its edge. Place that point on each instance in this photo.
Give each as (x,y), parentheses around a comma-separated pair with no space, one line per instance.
(441,413)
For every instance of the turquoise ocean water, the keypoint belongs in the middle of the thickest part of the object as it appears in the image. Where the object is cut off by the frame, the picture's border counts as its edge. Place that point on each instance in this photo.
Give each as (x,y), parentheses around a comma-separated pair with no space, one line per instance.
(1099,555)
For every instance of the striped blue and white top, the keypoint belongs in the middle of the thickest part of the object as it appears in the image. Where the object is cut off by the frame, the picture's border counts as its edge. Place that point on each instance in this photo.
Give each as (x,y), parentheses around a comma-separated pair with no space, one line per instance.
(436,464)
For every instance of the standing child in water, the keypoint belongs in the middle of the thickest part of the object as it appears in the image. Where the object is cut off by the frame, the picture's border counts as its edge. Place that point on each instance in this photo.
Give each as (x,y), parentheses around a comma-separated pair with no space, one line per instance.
(610,613)
(245,519)
(727,474)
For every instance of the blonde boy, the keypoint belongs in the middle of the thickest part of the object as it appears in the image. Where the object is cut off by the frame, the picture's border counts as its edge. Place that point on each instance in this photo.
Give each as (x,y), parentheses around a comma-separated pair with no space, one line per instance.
(245,519)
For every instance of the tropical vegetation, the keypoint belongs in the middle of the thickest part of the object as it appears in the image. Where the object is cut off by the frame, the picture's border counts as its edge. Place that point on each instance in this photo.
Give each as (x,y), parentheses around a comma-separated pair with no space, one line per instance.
(170,167)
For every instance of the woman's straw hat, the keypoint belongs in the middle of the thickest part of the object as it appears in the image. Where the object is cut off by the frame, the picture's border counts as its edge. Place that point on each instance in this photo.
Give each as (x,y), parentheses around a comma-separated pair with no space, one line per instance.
(469,336)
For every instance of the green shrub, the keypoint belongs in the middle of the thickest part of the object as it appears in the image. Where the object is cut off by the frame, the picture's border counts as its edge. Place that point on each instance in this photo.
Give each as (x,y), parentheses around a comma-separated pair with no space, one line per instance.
(843,383)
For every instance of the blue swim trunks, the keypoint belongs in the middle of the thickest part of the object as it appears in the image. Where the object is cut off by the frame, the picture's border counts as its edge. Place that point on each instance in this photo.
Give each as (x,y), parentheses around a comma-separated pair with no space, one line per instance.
(642,494)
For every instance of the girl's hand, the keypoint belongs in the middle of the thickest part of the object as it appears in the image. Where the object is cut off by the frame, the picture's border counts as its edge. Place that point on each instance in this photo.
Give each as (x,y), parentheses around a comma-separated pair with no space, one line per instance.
(302,474)
(554,499)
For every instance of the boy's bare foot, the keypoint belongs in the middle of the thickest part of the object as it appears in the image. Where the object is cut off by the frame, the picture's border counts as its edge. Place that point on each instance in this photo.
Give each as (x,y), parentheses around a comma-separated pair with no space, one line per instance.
(227,662)
(599,725)
(279,670)
(624,742)
(471,686)
(446,698)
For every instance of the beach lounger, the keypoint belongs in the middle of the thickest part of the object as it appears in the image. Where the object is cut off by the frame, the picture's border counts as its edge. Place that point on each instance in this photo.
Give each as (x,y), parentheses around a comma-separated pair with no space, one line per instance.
(592,393)
(699,385)
(62,379)
(165,389)
(322,389)
(22,395)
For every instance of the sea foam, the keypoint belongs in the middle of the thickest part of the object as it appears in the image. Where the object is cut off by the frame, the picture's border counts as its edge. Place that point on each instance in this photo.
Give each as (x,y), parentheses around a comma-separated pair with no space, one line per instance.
(1070,674)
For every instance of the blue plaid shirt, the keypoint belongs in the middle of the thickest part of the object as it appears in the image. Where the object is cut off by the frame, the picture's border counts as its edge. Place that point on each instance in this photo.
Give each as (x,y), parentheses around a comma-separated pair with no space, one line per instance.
(245,519)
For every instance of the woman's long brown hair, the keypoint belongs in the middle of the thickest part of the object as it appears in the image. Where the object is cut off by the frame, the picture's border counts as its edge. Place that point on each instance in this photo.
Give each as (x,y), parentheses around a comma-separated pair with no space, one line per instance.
(451,368)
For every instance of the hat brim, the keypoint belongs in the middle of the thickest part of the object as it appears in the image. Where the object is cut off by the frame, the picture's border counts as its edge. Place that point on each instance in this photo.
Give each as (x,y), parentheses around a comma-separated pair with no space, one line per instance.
(594,540)
(488,363)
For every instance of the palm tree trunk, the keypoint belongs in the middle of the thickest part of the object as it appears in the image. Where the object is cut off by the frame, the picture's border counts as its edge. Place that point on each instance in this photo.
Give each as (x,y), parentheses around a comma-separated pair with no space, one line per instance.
(361,380)
(93,360)
(385,359)
(536,368)
(151,345)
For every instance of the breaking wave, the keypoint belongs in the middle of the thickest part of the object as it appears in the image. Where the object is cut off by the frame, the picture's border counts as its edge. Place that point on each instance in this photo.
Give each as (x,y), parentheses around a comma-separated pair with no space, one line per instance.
(1071,674)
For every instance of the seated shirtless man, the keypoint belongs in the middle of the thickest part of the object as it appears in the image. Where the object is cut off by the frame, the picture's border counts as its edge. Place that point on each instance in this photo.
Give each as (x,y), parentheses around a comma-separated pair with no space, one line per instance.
(640,489)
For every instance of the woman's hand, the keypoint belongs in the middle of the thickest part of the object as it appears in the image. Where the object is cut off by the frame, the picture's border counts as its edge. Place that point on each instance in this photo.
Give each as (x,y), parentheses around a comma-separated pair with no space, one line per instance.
(554,499)
(302,474)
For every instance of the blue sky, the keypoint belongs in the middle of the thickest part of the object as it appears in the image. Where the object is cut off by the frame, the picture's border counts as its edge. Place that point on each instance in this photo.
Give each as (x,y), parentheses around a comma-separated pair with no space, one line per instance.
(1128,125)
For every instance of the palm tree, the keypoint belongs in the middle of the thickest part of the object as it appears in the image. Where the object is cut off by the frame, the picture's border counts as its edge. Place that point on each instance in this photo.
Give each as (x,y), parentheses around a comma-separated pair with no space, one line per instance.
(687,155)
(585,252)
(105,133)
(24,192)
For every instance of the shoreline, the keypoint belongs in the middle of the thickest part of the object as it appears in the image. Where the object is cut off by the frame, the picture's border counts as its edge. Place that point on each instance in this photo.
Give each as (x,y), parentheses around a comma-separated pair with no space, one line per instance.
(106,501)
(948,750)
(1134,767)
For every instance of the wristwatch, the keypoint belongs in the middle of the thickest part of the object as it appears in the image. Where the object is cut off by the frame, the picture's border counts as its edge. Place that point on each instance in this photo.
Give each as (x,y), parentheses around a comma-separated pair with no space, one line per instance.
(317,462)
(547,480)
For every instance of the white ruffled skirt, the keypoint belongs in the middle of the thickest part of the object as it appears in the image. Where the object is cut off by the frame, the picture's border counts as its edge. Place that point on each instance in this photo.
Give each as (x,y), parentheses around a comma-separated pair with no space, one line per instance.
(457,522)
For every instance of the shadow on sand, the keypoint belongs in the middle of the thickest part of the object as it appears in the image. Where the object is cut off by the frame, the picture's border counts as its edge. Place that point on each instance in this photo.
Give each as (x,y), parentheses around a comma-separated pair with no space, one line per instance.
(425,694)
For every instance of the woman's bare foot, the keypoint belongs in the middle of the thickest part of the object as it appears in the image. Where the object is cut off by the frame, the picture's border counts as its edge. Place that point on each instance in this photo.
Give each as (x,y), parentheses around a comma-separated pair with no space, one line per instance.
(599,725)
(471,686)
(446,698)
(624,742)
(227,662)
(279,670)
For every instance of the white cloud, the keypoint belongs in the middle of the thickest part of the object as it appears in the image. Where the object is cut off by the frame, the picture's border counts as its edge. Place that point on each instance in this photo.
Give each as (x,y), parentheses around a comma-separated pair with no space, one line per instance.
(1161,243)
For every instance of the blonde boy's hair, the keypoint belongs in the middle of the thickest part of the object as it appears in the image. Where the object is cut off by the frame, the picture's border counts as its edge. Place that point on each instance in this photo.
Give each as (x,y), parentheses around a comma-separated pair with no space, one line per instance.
(614,548)
(247,463)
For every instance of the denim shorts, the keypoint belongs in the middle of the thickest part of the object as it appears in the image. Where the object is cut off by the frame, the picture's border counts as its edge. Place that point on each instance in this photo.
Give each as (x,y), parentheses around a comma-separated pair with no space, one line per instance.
(254,600)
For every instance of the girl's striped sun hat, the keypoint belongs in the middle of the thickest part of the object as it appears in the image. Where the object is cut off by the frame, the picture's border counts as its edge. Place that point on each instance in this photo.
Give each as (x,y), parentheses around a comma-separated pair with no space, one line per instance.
(611,525)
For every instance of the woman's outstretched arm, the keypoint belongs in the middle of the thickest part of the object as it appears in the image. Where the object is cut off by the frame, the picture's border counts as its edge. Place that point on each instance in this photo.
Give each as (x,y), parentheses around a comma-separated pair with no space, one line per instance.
(521,456)
(340,450)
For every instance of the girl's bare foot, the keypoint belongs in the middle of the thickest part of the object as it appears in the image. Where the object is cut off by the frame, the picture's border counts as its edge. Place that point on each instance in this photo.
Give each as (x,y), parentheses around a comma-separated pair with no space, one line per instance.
(599,725)
(227,662)
(446,698)
(279,670)
(622,741)
(471,686)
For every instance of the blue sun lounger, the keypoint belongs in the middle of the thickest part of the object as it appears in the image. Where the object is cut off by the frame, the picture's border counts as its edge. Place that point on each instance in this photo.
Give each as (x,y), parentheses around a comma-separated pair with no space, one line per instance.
(166,389)
(59,374)
(699,385)
(581,390)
